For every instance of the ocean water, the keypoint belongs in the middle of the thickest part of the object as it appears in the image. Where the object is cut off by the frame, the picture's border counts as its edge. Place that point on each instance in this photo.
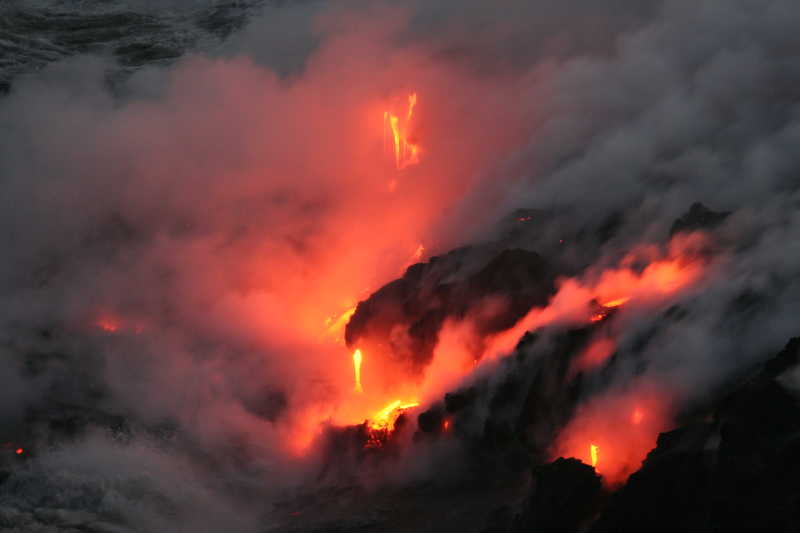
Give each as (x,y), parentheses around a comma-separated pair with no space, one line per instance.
(131,33)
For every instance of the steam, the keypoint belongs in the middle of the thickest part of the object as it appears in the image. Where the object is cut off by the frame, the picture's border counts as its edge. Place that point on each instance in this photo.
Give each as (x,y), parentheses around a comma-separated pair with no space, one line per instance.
(224,207)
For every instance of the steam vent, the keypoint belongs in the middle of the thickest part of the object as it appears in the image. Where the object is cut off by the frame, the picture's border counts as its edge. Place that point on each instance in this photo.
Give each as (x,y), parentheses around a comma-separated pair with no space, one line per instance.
(399,266)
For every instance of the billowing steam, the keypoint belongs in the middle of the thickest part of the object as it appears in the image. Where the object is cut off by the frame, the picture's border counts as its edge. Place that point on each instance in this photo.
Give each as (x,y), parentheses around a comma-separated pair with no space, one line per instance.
(182,258)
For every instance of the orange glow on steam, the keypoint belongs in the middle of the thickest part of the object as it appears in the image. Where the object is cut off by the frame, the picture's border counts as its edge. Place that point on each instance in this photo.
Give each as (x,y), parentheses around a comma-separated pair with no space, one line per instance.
(617,425)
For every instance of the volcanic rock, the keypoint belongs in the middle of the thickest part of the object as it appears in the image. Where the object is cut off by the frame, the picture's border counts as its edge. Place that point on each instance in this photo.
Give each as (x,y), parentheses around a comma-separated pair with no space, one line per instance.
(496,295)
(431,421)
(564,495)
(738,472)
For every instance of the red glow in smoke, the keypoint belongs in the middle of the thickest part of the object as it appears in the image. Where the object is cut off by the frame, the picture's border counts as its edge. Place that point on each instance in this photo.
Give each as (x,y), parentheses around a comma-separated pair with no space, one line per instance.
(108,324)
(293,288)
(624,426)
(598,351)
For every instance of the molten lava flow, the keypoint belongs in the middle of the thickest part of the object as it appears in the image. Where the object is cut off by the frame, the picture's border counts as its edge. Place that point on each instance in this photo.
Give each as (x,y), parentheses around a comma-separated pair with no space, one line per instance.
(406,152)
(607,307)
(386,417)
(593,453)
(108,324)
(382,424)
(664,277)
(357,359)
(335,324)
(619,302)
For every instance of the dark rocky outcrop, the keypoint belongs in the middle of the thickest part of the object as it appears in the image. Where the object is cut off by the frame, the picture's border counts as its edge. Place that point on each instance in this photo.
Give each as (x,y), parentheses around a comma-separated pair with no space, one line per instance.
(738,470)
(564,495)
(733,465)
(498,294)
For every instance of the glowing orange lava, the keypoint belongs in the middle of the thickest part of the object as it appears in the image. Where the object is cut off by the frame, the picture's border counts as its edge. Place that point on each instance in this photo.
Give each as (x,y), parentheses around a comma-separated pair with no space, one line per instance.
(335,324)
(593,450)
(406,152)
(382,424)
(619,302)
(108,324)
(665,276)
(386,417)
(357,359)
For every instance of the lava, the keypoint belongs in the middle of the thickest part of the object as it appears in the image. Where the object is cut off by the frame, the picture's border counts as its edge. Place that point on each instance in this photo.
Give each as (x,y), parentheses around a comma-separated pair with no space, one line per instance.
(335,324)
(667,274)
(607,307)
(598,317)
(357,359)
(619,302)
(406,152)
(382,424)
(386,417)
(616,423)
(108,324)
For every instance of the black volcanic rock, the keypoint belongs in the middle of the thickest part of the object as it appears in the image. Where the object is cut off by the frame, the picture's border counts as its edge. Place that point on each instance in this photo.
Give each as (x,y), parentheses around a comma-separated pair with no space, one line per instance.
(739,471)
(564,495)
(698,217)
(431,421)
(456,401)
(733,465)
(508,423)
(551,393)
(498,294)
